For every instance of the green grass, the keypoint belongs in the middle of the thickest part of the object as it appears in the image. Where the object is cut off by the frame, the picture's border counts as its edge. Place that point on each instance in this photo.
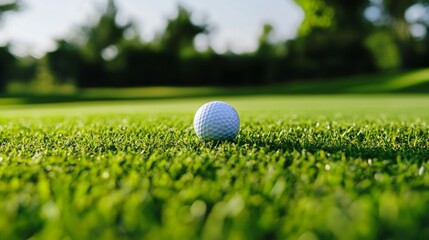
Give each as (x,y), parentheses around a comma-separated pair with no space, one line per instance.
(415,81)
(308,167)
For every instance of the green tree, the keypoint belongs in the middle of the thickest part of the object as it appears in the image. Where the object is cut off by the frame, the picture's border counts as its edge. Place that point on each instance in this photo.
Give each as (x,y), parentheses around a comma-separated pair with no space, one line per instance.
(384,50)
(7,60)
(7,64)
(104,34)
(44,81)
(395,11)
(8,6)
(65,61)
(332,14)
(178,37)
(331,39)
(317,15)
(100,47)
(266,47)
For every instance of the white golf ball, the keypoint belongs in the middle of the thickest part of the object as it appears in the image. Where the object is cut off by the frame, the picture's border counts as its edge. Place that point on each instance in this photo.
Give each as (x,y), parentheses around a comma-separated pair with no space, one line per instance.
(216,121)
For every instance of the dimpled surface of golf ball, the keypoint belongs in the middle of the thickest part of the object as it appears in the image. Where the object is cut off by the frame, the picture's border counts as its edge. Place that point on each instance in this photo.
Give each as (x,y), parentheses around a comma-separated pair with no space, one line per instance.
(216,121)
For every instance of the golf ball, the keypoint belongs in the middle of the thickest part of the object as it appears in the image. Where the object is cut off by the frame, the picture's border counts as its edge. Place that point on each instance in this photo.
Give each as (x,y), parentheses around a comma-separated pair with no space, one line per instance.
(216,121)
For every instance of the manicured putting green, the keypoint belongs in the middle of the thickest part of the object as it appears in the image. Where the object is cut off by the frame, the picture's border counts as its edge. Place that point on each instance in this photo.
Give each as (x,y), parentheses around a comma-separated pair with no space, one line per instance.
(309,167)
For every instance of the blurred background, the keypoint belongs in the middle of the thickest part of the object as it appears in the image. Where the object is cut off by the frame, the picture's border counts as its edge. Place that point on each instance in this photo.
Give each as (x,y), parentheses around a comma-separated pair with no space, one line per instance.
(131,48)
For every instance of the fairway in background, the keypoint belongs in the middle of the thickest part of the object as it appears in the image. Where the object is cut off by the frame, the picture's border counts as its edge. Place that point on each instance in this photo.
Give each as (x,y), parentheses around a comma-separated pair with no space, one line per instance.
(410,82)
(331,106)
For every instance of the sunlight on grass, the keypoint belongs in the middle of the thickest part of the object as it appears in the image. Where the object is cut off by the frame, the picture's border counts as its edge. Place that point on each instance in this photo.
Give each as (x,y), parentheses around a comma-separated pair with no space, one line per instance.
(350,105)
(145,92)
(328,167)
(408,80)
(10,101)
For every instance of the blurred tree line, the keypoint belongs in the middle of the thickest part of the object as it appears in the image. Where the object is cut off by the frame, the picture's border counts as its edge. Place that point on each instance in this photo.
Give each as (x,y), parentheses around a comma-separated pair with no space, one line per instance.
(336,38)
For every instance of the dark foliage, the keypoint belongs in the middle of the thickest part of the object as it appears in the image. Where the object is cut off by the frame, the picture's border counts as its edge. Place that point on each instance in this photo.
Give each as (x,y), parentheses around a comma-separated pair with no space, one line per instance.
(7,63)
(346,44)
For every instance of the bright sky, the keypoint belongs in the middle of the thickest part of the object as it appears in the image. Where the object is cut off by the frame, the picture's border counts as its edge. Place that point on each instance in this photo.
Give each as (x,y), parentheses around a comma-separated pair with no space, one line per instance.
(236,23)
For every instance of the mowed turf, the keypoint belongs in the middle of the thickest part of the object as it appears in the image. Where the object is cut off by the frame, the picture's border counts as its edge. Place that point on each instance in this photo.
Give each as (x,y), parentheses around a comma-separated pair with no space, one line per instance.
(302,167)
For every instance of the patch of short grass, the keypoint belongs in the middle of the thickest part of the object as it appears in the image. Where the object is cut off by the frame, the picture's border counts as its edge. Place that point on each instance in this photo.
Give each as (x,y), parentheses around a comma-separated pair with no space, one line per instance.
(344,167)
